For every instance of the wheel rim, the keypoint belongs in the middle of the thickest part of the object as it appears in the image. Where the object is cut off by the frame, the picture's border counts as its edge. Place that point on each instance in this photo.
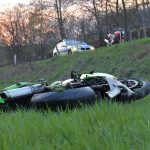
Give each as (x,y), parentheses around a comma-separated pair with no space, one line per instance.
(132,83)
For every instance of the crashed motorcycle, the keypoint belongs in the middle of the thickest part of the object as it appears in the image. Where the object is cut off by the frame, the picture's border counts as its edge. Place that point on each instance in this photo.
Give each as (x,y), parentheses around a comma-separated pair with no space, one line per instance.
(87,88)
(79,89)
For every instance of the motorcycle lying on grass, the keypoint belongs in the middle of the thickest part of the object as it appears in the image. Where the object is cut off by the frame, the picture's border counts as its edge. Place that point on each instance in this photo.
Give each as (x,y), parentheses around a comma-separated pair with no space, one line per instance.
(79,89)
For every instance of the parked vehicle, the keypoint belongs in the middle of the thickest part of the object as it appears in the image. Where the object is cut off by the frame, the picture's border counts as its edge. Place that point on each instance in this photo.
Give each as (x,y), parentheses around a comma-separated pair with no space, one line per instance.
(69,46)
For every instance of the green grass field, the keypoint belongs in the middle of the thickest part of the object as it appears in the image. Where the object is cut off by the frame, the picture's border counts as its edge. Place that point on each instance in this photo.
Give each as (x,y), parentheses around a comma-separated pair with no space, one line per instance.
(108,126)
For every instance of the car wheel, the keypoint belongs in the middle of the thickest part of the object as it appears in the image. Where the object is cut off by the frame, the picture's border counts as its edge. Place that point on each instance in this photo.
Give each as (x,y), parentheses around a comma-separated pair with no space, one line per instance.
(55,55)
(69,52)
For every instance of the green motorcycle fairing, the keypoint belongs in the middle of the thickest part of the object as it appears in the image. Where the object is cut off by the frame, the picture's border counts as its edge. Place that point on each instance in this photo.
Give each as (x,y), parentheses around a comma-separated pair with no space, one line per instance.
(2,101)
(15,86)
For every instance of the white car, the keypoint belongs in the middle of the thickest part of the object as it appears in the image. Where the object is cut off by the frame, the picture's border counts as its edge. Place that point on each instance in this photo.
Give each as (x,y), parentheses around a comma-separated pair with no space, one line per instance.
(69,46)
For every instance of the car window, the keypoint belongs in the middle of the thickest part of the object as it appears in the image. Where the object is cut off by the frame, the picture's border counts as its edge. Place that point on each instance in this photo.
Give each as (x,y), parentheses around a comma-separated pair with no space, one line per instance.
(83,43)
(64,43)
(71,42)
(59,44)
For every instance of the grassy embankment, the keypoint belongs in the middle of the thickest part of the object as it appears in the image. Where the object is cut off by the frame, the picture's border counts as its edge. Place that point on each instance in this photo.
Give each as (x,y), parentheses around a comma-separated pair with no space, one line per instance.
(105,126)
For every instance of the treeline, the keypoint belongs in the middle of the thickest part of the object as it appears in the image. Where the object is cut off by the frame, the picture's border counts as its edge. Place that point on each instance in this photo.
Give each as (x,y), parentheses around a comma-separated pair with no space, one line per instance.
(30,31)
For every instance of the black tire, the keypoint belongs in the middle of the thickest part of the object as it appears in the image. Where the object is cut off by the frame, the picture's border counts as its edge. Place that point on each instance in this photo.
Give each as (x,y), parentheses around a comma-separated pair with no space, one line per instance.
(55,55)
(71,97)
(141,89)
(69,52)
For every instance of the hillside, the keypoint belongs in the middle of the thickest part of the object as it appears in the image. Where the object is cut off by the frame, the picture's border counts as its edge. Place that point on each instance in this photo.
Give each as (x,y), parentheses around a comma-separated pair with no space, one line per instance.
(106,126)
(127,59)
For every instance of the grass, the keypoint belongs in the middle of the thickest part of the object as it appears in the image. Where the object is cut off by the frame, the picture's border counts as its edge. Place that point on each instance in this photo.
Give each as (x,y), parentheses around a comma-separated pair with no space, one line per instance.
(102,126)
(113,126)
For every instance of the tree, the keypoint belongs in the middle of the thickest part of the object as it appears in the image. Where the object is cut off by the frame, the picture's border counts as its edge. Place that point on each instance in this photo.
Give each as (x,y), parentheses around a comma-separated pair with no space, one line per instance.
(39,25)
(94,7)
(13,29)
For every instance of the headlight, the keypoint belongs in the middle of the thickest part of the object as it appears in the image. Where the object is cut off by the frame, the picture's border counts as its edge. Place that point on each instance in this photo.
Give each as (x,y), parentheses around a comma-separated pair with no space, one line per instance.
(92,48)
(74,49)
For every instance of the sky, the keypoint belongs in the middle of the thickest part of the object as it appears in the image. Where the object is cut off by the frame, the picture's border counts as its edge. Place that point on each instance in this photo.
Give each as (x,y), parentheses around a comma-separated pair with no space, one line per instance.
(5,3)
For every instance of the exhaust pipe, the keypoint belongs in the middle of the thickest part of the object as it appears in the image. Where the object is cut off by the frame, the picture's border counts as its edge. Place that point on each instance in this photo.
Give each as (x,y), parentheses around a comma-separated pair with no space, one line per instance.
(22,92)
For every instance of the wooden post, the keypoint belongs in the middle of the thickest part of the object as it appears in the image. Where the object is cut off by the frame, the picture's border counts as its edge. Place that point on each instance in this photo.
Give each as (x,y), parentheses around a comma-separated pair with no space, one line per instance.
(15,59)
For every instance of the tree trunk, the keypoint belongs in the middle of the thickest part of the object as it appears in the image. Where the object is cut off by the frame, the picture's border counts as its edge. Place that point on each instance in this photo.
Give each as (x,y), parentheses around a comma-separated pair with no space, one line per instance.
(106,16)
(117,7)
(58,6)
(138,18)
(143,19)
(125,19)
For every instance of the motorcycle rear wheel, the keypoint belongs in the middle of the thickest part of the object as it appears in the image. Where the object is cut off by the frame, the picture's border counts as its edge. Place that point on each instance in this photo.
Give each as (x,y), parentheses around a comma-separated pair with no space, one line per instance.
(139,86)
